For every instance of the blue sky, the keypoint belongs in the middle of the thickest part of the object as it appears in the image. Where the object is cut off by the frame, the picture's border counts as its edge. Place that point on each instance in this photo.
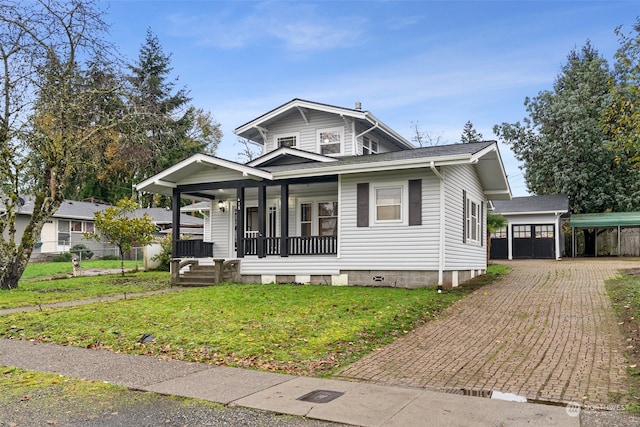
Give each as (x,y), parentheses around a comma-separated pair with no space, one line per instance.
(434,63)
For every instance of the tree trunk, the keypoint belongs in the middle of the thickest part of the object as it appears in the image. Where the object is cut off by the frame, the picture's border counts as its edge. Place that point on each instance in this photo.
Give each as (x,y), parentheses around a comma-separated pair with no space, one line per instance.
(10,275)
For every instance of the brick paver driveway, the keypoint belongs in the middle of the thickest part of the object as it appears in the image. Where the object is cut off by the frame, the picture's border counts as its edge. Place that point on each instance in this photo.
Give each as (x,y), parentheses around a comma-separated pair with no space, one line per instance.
(546,331)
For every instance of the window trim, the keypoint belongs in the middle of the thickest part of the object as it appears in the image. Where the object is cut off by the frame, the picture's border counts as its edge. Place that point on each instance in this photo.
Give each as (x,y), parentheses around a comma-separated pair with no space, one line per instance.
(404,197)
(368,146)
(278,136)
(470,225)
(320,144)
(315,215)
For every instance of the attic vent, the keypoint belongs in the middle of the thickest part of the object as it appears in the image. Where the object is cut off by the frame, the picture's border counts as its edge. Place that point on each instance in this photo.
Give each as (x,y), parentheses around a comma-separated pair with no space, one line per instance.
(358,105)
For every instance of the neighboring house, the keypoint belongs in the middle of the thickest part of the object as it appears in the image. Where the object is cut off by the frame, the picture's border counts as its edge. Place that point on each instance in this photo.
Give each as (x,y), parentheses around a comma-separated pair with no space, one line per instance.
(534,228)
(73,218)
(340,198)
(192,226)
(65,229)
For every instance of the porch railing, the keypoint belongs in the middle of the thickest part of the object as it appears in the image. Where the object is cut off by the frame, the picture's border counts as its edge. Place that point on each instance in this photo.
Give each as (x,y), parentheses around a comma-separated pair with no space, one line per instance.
(193,248)
(299,245)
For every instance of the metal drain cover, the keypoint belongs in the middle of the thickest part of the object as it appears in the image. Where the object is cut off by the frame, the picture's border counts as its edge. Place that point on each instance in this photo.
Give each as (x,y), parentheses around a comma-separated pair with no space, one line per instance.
(321,396)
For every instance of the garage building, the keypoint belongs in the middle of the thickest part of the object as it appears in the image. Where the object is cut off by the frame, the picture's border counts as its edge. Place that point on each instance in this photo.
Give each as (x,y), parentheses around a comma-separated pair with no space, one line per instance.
(533,228)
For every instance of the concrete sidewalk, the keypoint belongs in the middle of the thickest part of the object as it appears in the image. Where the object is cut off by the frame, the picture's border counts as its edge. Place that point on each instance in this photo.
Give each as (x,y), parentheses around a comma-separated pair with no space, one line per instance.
(358,403)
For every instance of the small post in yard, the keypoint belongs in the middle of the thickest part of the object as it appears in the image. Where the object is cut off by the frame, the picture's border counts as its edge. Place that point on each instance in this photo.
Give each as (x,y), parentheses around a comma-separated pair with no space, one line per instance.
(75,261)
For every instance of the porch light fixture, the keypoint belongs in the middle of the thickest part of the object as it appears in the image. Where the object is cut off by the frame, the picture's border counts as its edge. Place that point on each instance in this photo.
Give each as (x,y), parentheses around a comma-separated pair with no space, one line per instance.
(222,205)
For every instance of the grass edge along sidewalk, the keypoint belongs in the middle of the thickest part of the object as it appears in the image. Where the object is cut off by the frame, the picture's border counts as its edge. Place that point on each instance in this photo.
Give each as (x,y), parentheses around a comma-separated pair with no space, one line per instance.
(308,330)
(624,292)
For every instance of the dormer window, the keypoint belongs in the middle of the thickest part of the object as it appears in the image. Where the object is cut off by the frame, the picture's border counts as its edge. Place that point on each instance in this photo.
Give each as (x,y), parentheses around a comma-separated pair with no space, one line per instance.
(330,141)
(369,146)
(287,140)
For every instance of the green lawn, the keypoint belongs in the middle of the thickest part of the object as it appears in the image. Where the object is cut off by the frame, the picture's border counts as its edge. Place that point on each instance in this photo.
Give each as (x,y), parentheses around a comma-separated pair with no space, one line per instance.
(624,292)
(308,329)
(37,292)
(51,269)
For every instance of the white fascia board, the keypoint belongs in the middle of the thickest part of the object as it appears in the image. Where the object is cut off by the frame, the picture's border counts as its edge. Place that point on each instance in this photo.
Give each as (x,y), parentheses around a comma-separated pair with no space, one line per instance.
(294,105)
(494,148)
(159,179)
(161,175)
(371,167)
(286,150)
(247,170)
(534,213)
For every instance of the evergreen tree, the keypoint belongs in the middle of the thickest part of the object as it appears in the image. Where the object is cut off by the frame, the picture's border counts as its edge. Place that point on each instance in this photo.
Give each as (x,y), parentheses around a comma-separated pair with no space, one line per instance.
(163,127)
(562,144)
(469,134)
(621,119)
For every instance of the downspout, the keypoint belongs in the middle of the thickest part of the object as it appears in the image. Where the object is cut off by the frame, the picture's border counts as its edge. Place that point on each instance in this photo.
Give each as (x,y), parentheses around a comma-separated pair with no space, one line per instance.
(442,242)
(355,142)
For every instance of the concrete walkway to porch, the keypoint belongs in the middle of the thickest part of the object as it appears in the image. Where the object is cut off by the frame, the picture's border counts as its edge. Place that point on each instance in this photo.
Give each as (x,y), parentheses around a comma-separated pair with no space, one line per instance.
(546,331)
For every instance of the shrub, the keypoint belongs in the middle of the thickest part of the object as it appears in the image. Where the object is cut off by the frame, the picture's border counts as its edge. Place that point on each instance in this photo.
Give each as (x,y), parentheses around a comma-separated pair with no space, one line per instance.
(164,257)
(81,249)
(63,257)
(110,257)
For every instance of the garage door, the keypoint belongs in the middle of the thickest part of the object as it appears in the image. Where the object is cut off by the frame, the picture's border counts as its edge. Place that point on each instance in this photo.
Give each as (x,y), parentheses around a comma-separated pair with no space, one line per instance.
(534,241)
(499,244)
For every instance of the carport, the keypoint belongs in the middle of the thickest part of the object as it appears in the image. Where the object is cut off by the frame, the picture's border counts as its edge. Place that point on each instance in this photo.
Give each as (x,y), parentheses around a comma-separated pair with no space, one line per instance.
(597,222)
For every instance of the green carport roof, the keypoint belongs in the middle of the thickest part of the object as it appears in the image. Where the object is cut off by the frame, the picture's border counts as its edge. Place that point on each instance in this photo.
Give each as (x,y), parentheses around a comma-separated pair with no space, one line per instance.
(601,220)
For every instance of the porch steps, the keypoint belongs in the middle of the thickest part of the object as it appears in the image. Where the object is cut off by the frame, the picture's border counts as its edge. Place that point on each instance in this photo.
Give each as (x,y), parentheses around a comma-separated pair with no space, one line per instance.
(198,275)
(204,275)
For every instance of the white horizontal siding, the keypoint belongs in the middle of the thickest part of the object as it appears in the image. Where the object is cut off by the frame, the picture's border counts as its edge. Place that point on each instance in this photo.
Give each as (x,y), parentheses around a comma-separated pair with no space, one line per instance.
(458,254)
(302,265)
(220,232)
(531,219)
(397,247)
(294,123)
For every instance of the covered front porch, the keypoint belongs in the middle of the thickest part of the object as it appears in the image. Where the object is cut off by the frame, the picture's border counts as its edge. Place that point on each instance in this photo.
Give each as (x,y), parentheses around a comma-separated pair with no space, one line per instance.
(250,218)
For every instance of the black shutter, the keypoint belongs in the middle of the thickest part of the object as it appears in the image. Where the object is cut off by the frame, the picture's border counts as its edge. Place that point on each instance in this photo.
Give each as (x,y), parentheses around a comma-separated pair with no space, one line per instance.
(464,216)
(362,211)
(415,202)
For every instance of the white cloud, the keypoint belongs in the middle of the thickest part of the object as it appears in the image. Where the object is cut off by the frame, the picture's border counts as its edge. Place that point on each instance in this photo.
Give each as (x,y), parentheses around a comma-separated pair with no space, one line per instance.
(297,26)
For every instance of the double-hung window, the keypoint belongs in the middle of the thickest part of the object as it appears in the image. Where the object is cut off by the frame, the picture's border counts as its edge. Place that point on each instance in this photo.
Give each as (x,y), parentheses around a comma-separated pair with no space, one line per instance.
(388,202)
(473,218)
(330,141)
(318,219)
(328,218)
(369,146)
(306,219)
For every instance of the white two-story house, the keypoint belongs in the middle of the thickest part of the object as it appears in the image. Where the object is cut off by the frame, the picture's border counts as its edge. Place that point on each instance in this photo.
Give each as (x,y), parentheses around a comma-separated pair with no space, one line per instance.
(340,198)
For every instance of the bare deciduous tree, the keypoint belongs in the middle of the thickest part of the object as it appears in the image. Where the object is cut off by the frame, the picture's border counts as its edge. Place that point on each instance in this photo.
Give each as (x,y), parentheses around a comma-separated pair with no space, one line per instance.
(46,113)
(423,138)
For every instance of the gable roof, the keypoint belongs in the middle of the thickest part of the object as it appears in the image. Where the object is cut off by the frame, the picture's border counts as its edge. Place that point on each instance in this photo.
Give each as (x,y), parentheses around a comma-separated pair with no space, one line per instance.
(551,203)
(288,155)
(484,156)
(255,130)
(69,209)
